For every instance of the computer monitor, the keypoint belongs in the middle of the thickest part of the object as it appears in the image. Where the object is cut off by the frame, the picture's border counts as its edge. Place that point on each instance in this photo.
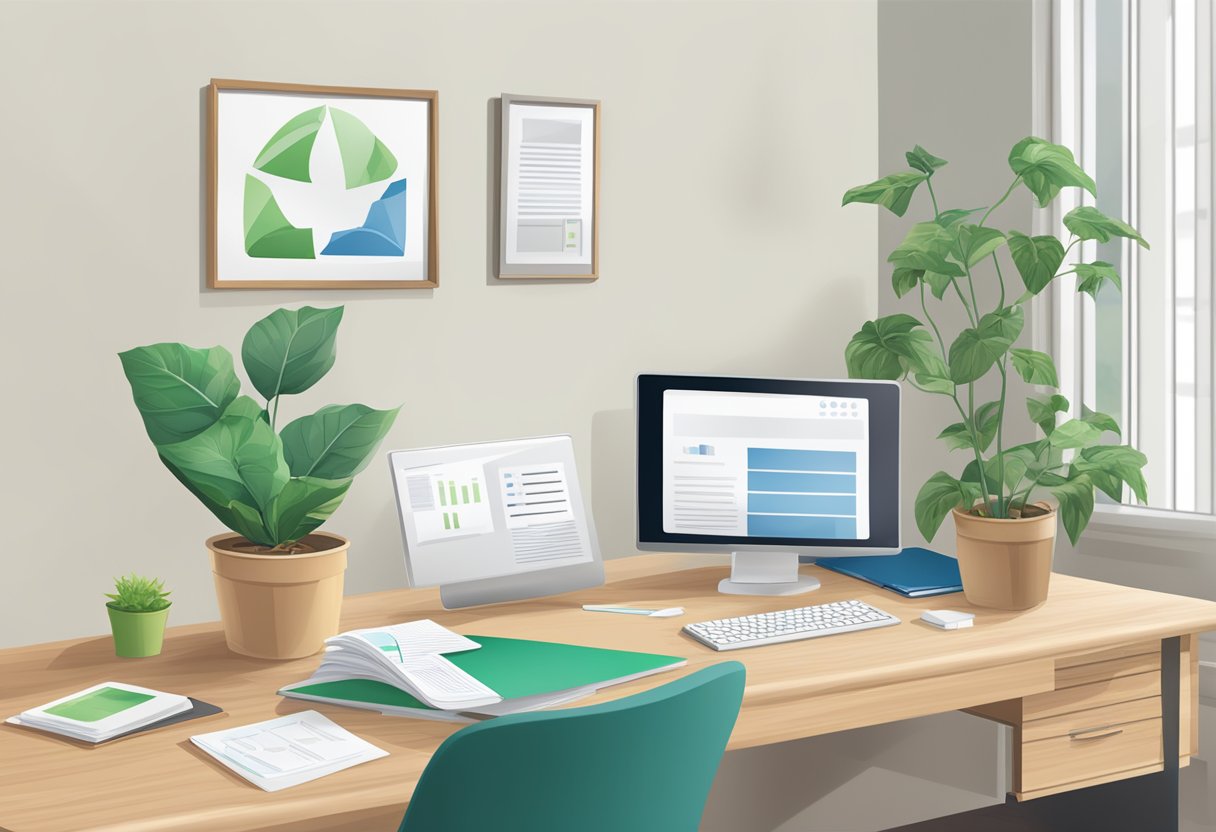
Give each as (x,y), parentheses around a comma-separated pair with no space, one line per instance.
(768,470)
(495,521)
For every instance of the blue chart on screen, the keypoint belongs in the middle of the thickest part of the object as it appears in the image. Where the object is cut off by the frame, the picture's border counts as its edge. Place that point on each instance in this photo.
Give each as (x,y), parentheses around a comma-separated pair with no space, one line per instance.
(800,493)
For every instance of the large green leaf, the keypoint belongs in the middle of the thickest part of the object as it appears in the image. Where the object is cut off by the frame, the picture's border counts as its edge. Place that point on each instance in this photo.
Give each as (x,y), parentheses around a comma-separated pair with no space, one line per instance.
(904,280)
(937,283)
(1037,259)
(240,518)
(289,350)
(303,505)
(179,391)
(937,497)
(239,459)
(1034,367)
(1089,223)
(1045,168)
(887,348)
(1075,433)
(975,242)
(1109,466)
(892,192)
(953,216)
(923,160)
(1092,276)
(930,372)
(1043,410)
(925,248)
(959,436)
(335,442)
(1076,496)
(1101,421)
(1022,462)
(976,349)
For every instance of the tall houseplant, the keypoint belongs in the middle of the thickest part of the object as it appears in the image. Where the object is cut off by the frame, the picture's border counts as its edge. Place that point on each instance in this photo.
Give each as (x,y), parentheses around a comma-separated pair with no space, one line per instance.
(1005,535)
(278,580)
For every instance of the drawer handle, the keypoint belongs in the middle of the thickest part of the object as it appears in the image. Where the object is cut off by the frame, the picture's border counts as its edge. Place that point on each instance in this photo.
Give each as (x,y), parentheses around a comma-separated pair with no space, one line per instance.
(1094,733)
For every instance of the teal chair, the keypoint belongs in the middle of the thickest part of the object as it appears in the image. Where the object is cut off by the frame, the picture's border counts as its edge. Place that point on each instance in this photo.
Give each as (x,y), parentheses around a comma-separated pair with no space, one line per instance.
(637,764)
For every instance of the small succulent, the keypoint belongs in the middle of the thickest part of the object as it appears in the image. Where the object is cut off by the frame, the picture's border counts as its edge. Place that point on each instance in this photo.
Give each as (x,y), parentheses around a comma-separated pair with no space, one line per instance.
(136,594)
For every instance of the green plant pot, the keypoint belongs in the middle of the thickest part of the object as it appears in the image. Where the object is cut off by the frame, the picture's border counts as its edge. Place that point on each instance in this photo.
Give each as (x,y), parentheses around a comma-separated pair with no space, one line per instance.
(137,634)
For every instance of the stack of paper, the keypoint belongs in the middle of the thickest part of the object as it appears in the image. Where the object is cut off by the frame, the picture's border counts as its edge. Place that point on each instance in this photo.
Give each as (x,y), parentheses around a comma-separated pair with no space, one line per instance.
(422,669)
(287,751)
(103,711)
(407,656)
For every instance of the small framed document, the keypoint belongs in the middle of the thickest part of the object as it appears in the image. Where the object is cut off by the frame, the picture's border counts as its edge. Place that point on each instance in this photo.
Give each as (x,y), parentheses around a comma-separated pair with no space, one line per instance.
(549,187)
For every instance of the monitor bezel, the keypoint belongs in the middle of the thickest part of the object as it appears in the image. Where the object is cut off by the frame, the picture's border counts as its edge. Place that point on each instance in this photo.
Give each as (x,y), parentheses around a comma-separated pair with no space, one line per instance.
(885,515)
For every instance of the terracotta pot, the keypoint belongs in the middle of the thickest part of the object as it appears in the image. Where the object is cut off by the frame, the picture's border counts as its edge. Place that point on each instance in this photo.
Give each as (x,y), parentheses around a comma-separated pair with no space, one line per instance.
(1006,564)
(279,606)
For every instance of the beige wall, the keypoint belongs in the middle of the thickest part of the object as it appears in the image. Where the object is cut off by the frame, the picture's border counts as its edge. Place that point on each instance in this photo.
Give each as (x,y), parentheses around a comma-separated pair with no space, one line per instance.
(730,131)
(955,77)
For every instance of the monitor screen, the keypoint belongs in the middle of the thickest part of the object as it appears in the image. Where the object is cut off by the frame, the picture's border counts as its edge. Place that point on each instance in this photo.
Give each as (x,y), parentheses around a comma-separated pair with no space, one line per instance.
(770,462)
(491,509)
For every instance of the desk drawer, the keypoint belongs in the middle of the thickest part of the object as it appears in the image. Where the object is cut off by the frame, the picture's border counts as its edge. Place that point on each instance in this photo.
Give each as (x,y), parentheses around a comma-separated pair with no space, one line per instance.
(1088,756)
(1096,694)
(1086,722)
(1116,690)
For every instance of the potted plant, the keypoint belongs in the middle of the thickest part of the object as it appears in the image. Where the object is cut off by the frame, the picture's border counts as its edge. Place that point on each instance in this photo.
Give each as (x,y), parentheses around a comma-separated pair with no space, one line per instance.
(1005,533)
(138,611)
(278,580)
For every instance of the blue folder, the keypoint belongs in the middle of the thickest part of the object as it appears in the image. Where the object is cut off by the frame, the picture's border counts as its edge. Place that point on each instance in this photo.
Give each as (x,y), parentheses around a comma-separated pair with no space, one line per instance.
(913,573)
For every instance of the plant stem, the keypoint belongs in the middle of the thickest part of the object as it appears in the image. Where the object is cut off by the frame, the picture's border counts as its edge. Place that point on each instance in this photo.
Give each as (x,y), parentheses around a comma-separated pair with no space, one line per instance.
(1000,278)
(963,301)
(968,423)
(971,287)
(969,419)
(929,185)
(941,344)
(274,414)
(1001,507)
(998,203)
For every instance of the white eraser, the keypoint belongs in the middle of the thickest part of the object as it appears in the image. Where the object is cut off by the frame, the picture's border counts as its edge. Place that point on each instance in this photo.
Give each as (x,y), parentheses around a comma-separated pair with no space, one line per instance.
(948,619)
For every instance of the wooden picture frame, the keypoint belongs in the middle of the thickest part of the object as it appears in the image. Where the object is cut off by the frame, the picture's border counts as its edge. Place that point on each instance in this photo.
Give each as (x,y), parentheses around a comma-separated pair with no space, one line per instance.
(561,215)
(291,218)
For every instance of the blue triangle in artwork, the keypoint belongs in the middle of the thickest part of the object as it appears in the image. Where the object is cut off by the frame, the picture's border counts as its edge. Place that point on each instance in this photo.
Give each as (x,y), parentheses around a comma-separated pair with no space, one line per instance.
(382,233)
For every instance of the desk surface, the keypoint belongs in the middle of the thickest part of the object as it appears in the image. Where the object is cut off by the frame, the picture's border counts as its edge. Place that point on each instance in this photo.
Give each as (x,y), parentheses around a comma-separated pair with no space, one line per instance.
(159,781)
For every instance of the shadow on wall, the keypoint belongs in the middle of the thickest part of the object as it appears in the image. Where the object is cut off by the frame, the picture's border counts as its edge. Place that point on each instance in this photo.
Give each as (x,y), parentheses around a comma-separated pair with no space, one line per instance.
(923,768)
(613,462)
(799,353)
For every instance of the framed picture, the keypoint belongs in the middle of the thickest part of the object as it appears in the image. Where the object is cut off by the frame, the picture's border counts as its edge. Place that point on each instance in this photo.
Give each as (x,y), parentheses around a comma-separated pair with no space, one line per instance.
(550,187)
(321,187)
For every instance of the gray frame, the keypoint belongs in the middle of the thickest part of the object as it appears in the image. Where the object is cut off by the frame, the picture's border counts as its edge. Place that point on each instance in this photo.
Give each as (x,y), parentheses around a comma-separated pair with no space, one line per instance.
(514,270)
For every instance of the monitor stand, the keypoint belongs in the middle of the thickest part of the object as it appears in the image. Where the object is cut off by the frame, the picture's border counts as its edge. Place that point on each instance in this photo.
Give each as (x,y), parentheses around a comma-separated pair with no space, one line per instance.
(766,573)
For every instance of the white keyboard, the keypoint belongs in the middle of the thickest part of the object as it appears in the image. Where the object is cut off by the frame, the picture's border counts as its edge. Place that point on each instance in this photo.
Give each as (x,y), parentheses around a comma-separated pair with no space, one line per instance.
(789,625)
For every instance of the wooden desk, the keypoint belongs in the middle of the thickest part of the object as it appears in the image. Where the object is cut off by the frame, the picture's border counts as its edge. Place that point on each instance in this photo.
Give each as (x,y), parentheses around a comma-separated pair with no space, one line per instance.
(158,781)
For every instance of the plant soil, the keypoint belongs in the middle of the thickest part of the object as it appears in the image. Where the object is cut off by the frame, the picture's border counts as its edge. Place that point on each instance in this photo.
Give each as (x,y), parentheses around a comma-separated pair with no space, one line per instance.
(1025,513)
(305,546)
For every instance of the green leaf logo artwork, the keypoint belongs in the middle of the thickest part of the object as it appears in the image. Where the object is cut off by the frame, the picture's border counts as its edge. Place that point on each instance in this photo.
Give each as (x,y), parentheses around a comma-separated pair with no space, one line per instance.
(365,160)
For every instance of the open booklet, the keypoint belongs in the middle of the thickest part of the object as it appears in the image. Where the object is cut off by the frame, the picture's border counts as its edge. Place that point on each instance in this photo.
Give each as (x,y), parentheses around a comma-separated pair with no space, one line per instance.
(410,657)
(423,669)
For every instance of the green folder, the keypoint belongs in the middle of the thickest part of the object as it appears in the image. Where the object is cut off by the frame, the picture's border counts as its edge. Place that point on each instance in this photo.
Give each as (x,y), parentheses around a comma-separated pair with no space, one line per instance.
(512,667)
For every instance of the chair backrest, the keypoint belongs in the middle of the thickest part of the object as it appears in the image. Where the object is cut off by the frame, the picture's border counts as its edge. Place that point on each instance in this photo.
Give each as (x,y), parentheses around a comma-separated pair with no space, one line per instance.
(644,762)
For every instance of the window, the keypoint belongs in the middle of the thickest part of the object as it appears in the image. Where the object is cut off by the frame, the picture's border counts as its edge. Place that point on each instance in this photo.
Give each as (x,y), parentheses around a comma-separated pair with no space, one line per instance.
(1133,97)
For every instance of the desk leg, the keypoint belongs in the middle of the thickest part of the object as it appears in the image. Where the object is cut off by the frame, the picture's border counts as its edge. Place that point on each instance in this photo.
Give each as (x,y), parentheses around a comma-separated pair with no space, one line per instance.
(1148,802)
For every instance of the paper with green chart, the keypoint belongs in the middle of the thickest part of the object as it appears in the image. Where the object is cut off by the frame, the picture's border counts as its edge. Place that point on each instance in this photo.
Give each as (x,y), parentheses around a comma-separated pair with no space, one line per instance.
(388,670)
(103,711)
